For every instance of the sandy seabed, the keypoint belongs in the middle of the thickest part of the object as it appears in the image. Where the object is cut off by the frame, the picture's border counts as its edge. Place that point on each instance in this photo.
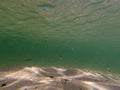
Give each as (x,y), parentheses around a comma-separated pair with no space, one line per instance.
(53,78)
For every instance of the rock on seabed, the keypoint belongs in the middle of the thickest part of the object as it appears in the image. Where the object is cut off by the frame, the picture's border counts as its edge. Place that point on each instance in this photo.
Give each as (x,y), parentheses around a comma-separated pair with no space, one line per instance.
(52,78)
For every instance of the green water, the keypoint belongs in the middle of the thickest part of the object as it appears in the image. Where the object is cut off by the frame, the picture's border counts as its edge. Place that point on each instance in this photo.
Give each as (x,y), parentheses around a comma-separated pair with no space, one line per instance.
(69,33)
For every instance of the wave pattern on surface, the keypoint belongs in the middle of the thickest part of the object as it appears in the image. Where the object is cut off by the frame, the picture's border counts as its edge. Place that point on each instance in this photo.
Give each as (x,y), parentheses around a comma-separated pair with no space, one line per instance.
(53,18)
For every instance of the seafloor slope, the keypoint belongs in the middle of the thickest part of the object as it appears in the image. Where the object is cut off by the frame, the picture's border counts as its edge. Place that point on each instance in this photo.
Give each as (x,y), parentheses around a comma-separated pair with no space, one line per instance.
(52,78)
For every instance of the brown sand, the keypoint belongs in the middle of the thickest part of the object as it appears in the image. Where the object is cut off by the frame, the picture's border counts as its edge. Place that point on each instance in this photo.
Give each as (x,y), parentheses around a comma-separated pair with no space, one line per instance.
(52,78)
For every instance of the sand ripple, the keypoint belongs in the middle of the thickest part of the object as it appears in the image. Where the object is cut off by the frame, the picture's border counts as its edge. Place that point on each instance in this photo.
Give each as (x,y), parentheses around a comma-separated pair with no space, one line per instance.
(52,78)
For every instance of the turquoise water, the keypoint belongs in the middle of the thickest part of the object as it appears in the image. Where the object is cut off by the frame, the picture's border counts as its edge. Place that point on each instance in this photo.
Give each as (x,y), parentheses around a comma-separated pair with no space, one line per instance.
(69,33)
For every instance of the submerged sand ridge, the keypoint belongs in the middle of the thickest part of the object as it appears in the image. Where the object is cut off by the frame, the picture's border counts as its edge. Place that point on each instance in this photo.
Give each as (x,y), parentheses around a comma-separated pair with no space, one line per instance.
(52,78)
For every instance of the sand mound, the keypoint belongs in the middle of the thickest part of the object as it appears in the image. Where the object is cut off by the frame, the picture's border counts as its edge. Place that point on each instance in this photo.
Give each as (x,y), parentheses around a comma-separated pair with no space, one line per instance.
(52,78)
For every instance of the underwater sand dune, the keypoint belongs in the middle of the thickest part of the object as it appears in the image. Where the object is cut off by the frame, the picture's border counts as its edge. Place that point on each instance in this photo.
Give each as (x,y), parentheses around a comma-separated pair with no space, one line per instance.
(52,78)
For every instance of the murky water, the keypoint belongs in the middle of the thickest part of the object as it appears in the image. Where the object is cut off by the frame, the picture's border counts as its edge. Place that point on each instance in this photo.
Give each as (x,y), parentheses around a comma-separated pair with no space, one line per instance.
(69,33)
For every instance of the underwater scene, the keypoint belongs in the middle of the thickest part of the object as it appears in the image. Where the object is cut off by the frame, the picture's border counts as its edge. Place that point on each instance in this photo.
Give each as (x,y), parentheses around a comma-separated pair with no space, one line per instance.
(51,37)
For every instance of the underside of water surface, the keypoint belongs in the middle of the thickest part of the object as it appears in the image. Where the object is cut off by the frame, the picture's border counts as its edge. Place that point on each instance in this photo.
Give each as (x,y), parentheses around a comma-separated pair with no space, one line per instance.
(64,33)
